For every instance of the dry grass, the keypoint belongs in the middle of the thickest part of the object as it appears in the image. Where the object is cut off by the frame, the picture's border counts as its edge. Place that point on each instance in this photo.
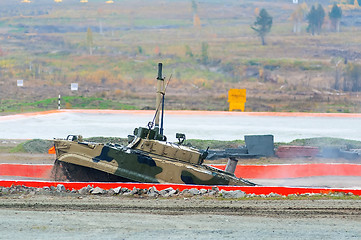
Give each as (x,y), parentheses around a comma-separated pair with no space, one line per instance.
(137,35)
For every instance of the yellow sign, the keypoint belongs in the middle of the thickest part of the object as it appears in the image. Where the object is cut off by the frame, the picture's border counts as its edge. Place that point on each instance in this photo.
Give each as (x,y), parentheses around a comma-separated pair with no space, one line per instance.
(236,99)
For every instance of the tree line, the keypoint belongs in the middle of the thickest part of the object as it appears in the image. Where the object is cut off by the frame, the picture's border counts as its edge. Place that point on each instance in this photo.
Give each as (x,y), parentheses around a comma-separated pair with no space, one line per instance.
(315,17)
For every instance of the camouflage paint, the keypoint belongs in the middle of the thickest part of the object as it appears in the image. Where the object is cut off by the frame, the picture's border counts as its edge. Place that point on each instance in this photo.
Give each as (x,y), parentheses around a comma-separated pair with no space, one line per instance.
(149,161)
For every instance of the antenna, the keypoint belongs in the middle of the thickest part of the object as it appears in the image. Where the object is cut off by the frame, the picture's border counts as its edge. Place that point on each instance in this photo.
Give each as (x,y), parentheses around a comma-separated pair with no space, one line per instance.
(163,97)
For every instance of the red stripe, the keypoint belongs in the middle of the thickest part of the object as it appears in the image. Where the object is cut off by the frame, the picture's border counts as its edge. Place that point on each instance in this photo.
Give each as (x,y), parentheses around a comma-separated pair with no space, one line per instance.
(244,171)
(267,171)
(26,170)
(295,170)
(181,187)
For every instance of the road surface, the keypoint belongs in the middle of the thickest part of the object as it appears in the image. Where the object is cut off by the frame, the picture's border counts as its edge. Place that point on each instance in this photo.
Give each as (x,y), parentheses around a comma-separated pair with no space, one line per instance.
(196,125)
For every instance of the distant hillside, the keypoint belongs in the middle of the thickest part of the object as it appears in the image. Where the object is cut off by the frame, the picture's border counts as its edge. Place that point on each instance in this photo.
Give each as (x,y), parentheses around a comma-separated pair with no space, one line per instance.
(112,50)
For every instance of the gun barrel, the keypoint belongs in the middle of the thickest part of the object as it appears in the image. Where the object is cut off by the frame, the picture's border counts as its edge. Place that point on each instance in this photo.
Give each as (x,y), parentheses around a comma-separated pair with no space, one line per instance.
(160,66)
(160,92)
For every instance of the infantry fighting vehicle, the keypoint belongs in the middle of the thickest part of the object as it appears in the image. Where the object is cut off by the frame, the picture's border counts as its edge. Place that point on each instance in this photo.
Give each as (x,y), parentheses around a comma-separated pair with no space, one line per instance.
(148,158)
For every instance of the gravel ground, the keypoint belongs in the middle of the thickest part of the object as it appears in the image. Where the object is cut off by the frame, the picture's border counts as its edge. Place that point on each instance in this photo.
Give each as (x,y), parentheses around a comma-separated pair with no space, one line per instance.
(89,217)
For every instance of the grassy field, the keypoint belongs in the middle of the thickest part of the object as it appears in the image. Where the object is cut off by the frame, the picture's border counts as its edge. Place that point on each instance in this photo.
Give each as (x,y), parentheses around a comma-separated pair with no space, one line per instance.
(48,46)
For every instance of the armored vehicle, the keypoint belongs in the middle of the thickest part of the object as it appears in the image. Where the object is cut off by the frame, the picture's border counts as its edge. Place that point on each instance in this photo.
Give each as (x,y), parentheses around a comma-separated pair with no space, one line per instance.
(148,157)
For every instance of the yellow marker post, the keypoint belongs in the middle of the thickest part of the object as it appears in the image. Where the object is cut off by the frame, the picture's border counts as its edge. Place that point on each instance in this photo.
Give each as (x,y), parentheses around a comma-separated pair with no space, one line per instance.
(236,99)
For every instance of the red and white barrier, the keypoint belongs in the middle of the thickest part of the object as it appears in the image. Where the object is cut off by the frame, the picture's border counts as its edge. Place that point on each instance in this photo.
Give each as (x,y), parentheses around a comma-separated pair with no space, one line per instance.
(245,171)
(295,170)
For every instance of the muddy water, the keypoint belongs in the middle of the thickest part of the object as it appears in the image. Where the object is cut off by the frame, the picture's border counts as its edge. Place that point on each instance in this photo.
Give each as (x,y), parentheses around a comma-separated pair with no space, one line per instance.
(220,126)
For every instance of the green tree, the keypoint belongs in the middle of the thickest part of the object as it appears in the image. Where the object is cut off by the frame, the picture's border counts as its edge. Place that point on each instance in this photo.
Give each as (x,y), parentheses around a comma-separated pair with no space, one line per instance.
(352,80)
(321,17)
(204,52)
(89,40)
(312,20)
(140,50)
(335,17)
(315,18)
(194,7)
(262,25)
(189,52)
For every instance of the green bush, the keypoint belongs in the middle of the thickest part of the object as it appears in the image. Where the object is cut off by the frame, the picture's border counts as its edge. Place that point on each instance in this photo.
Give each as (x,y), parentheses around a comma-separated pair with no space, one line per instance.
(213,144)
(33,146)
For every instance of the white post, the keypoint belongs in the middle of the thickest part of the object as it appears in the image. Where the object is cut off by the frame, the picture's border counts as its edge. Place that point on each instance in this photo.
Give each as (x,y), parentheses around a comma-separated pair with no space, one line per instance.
(59,102)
